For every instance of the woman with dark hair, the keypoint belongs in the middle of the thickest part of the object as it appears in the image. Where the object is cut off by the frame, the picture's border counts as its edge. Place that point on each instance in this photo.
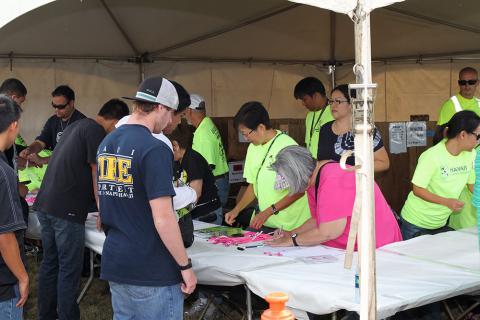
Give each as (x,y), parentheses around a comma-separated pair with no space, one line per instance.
(277,209)
(441,173)
(336,136)
(330,219)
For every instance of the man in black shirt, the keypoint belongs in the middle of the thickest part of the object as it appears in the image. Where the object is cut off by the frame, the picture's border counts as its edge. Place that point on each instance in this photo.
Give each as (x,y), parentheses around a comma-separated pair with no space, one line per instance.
(67,192)
(63,102)
(14,89)
(14,282)
(192,169)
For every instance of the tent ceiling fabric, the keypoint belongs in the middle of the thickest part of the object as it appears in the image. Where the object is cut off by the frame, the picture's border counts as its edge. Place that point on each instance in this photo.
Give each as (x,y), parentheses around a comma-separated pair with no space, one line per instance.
(229,30)
(347,6)
(11,9)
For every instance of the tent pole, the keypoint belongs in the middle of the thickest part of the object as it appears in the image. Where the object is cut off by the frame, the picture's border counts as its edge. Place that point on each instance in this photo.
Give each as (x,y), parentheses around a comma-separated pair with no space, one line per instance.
(363,129)
(332,62)
(141,71)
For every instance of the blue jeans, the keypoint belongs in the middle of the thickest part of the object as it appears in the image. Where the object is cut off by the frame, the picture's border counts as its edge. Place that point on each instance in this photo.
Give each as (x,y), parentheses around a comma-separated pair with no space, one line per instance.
(223,187)
(410,230)
(131,302)
(8,310)
(59,277)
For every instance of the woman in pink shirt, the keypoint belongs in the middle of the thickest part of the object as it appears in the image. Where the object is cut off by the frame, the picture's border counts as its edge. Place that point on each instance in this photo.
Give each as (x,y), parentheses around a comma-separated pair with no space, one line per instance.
(330,197)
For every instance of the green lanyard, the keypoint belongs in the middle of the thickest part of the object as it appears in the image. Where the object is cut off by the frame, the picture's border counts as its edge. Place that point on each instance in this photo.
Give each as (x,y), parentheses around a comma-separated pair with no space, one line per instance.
(313,126)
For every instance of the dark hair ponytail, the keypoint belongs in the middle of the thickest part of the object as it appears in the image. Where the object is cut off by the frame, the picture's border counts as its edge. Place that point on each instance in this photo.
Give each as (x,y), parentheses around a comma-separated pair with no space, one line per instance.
(464,120)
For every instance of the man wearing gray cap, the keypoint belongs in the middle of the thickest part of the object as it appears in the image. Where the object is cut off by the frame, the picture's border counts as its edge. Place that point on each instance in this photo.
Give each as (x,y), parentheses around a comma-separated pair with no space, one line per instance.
(143,254)
(208,142)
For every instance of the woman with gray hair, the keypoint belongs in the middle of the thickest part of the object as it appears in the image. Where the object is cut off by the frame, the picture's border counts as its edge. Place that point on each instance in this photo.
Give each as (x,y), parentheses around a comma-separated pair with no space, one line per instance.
(330,198)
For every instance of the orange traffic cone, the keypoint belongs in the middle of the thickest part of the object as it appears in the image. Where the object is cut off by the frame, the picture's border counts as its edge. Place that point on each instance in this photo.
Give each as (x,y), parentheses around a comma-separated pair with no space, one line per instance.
(277,309)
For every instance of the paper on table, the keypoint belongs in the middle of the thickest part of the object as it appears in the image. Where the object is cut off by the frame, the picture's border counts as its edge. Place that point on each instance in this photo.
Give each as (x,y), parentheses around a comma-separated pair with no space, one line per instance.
(303,252)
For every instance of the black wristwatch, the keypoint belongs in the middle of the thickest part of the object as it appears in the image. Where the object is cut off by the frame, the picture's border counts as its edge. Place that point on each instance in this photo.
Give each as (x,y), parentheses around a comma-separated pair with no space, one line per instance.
(294,239)
(187,266)
(274,209)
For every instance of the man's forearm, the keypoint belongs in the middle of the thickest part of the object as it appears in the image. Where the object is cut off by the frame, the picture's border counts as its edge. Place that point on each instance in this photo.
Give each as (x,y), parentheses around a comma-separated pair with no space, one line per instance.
(169,232)
(11,255)
(36,146)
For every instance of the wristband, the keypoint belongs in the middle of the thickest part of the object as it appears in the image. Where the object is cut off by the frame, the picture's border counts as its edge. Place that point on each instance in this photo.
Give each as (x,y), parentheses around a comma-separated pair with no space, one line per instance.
(187,266)
(294,239)
(274,209)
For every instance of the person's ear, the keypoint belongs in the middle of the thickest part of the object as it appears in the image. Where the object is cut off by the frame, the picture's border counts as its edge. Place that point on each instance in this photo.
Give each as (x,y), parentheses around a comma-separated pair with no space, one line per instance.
(13,126)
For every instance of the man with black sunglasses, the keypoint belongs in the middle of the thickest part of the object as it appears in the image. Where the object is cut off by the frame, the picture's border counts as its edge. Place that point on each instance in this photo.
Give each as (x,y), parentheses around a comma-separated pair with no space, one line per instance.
(63,103)
(464,100)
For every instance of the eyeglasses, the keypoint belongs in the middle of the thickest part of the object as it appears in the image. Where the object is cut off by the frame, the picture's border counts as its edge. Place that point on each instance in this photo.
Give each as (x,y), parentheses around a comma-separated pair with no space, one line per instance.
(60,106)
(336,101)
(477,135)
(465,82)
(248,133)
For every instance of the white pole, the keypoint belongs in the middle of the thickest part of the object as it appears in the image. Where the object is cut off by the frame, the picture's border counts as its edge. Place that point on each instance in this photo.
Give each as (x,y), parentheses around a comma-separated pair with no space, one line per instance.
(363,127)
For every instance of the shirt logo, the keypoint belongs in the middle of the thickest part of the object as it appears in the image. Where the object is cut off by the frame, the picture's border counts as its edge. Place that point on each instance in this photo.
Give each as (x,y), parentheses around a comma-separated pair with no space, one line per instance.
(114,176)
(447,171)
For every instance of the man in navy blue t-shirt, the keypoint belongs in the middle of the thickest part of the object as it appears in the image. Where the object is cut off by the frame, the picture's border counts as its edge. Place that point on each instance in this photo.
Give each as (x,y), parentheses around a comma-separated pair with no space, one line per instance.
(143,254)
(14,281)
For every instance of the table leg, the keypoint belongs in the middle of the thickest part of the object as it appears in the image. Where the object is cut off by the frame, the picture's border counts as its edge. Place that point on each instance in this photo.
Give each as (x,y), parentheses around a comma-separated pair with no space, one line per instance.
(249,303)
(90,278)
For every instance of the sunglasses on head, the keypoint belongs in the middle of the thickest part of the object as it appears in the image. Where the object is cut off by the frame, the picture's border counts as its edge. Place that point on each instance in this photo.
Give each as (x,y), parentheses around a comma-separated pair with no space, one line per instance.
(60,106)
(464,82)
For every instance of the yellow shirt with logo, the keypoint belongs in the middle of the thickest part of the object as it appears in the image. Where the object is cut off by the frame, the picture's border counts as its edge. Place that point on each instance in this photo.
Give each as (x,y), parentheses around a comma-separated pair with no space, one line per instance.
(442,174)
(262,177)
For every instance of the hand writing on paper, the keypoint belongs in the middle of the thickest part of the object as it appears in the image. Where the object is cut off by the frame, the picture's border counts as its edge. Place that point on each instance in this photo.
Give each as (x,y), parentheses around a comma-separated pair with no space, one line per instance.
(284,241)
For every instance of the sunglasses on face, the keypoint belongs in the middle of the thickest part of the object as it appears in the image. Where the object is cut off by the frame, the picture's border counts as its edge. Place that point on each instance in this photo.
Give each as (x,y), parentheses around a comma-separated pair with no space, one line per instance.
(465,82)
(60,106)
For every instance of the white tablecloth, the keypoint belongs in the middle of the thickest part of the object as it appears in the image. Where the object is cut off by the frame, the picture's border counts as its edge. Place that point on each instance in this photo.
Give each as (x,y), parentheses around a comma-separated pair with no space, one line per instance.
(409,273)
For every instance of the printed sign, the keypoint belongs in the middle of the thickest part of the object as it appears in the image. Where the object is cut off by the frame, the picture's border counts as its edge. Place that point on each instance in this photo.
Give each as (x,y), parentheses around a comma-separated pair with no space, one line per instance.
(416,134)
(398,137)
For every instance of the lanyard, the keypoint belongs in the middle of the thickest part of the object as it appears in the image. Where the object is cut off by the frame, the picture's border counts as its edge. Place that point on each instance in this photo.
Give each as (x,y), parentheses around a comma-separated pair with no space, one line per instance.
(314,124)
(265,158)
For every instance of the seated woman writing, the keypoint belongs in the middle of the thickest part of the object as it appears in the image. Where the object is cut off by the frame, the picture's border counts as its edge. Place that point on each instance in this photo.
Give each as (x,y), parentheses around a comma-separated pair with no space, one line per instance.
(331,199)
(441,174)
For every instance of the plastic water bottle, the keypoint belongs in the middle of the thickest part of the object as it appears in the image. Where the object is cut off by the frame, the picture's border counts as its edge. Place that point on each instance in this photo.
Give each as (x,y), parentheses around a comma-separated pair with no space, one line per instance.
(277,309)
(357,285)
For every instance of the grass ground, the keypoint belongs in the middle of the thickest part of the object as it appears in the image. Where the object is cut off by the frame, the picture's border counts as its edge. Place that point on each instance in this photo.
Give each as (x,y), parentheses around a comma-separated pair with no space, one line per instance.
(96,304)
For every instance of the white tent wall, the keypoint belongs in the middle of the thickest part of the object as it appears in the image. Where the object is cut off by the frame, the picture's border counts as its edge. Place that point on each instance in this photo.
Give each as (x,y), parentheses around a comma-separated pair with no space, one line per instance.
(93,82)
(403,88)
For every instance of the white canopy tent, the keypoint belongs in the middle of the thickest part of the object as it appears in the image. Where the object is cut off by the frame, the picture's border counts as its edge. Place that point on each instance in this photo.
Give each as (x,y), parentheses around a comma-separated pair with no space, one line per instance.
(143,37)
(234,51)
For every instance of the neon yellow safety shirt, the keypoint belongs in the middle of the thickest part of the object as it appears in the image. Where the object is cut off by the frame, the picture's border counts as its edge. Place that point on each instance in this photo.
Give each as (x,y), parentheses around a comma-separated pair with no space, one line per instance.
(208,142)
(313,122)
